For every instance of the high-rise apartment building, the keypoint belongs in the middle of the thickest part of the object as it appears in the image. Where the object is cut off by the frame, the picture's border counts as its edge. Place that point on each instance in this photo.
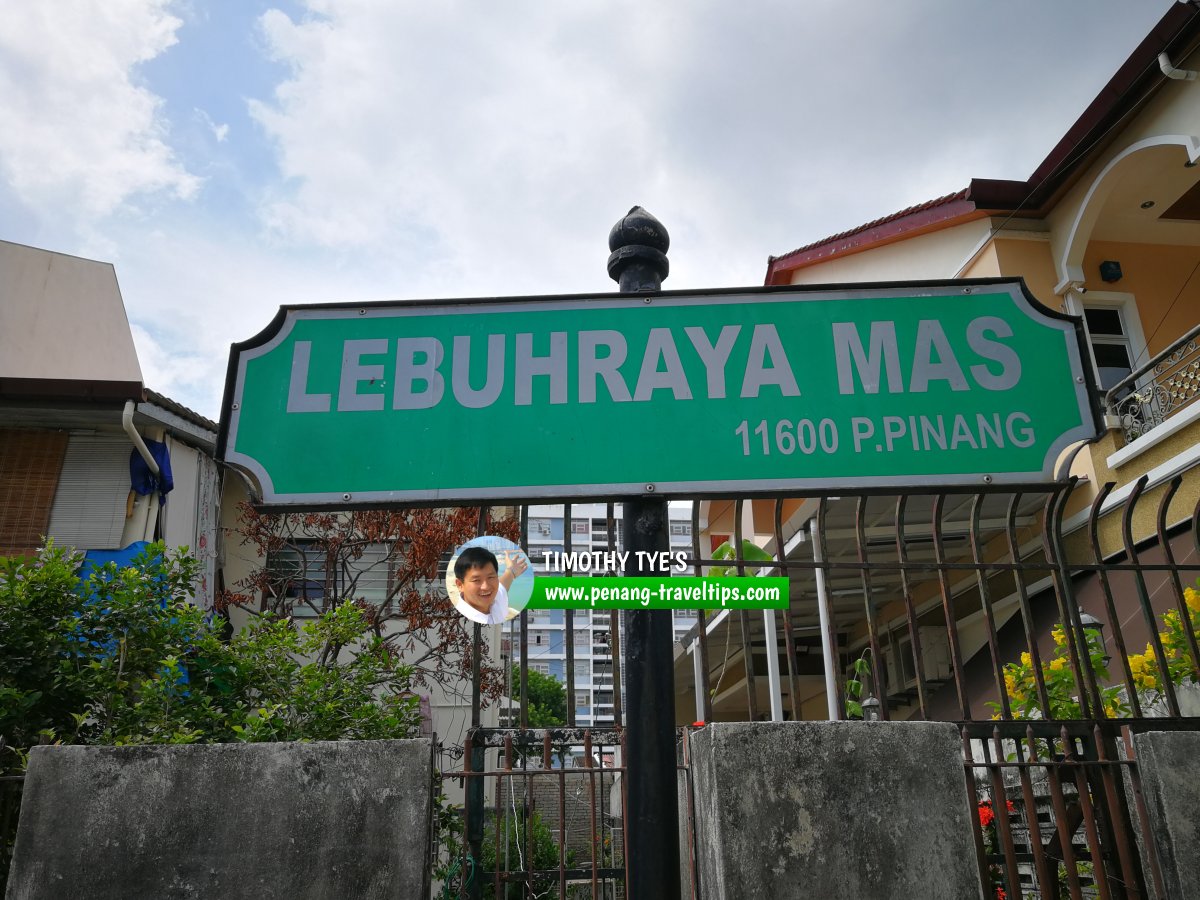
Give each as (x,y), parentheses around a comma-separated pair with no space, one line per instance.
(591,630)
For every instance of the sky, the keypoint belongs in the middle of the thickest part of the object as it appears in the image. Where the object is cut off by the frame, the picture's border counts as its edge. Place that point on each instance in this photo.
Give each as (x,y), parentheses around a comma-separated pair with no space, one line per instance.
(228,157)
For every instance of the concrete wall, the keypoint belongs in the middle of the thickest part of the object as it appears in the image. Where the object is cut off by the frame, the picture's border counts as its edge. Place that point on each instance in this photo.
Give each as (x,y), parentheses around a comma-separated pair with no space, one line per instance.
(319,820)
(832,810)
(1169,763)
(62,318)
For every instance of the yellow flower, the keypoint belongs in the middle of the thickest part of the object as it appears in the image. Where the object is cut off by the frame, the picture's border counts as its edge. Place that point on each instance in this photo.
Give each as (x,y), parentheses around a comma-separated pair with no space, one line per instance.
(1025,659)
(1058,664)
(1010,683)
(1192,596)
(1149,681)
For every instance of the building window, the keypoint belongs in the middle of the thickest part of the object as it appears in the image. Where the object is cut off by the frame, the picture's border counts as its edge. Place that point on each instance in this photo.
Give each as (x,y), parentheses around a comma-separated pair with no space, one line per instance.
(543,667)
(582,699)
(1116,344)
(684,528)
(1111,348)
(30,465)
(579,526)
(299,571)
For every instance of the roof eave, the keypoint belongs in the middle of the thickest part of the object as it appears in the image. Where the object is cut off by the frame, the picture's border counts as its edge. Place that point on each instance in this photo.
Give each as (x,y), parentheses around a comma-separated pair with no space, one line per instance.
(920,222)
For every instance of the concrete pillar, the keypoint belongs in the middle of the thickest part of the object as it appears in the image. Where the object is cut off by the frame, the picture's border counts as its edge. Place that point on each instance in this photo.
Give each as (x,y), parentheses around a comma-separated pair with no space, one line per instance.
(833,810)
(319,820)
(1169,766)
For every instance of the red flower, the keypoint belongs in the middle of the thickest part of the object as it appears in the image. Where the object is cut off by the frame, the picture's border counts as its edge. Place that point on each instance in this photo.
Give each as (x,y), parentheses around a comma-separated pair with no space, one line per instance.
(987,815)
(1001,894)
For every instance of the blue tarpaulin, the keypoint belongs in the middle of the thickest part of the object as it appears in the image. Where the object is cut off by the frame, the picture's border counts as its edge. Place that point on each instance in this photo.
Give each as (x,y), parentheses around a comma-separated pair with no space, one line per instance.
(142,480)
(95,559)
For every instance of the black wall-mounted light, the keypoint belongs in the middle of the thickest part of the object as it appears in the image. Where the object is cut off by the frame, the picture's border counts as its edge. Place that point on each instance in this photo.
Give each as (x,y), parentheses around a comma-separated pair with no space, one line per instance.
(1110,271)
(1094,628)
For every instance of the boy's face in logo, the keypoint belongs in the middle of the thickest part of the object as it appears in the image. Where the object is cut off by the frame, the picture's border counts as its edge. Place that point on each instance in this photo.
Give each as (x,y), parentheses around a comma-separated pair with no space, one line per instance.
(479,587)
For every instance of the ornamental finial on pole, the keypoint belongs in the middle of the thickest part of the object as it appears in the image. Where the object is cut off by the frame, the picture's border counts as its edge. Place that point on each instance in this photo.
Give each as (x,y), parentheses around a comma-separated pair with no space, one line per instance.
(639,245)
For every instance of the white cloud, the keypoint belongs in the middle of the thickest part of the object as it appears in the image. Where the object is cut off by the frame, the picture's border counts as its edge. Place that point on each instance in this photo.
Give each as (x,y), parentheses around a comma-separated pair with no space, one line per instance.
(220,132)
(455,149)
(488,148)
(79,137)
(171,370)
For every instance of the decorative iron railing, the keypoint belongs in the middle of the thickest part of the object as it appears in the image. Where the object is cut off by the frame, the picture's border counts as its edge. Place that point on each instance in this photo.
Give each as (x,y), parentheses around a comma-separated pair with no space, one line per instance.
(1148,396)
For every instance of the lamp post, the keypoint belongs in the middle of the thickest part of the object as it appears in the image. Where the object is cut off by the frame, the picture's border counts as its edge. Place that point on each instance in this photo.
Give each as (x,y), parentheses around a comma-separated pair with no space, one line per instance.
(870,708)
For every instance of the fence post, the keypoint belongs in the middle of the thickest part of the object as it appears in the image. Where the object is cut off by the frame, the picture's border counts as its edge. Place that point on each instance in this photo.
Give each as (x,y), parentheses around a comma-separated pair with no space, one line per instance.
(639,264)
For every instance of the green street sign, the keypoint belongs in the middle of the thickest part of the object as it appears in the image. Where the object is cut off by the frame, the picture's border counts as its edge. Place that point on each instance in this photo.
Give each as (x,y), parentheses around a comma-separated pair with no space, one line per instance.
(697,393)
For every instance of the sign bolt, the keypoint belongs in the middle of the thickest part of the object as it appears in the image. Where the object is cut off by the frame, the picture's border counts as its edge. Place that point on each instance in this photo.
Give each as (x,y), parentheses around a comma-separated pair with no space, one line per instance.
(346,497)
(987,479)
(235,406)
(362,312)
(649,489)
(1079,379)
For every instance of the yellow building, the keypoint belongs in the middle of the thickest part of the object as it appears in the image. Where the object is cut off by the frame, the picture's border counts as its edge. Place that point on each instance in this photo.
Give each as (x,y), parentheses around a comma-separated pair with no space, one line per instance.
(1106,228)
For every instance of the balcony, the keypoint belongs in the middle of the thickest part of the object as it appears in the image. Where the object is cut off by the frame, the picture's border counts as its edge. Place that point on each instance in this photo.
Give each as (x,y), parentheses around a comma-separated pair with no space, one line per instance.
(1149,397)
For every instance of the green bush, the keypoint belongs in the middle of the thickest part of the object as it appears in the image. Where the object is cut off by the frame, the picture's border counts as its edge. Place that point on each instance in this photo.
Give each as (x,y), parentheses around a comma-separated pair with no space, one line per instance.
(122,657)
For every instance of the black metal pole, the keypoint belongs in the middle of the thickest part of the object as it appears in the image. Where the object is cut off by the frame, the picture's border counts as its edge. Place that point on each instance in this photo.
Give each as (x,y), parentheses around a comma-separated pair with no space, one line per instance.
(639,264)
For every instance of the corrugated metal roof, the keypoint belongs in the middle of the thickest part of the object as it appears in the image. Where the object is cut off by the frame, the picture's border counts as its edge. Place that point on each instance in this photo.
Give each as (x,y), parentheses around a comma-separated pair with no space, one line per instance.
(180,410)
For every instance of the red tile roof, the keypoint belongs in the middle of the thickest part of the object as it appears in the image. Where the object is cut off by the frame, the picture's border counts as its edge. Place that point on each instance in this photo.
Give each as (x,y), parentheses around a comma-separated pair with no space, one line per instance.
(841,235)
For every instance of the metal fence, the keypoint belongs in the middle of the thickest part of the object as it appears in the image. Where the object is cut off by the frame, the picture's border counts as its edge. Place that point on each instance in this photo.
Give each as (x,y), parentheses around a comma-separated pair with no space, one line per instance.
(539,818)
(1036,616)
(1039,625)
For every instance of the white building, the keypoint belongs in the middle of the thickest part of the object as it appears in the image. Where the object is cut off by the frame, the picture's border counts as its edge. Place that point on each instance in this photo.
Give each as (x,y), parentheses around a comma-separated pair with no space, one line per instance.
(73,408)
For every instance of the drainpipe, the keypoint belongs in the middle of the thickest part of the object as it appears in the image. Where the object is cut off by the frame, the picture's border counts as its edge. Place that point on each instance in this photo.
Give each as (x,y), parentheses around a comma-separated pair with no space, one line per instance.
(142,449)
(141,513)
(1164,63)
(825,613)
